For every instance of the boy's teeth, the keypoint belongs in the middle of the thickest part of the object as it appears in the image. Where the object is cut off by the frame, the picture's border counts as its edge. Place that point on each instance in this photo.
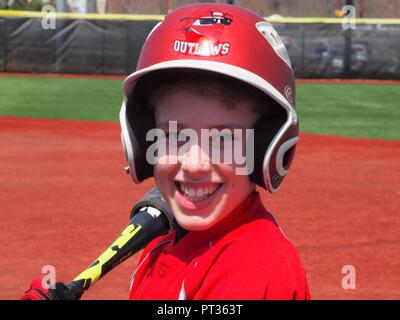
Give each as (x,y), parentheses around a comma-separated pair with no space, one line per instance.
(198,194)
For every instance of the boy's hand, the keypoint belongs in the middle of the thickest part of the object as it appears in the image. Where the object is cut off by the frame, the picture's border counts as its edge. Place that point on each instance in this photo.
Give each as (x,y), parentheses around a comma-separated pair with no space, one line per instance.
(38,292)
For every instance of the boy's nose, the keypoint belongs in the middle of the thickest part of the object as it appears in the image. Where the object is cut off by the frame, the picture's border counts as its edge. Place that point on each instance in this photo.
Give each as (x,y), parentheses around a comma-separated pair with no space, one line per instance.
(195,160)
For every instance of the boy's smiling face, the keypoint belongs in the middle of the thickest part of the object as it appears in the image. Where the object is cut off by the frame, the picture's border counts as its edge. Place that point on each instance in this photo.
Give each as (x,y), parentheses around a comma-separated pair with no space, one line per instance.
(200,193)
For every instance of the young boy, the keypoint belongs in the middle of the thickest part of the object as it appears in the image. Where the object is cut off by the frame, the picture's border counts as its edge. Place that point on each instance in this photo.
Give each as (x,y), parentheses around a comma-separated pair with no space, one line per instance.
(214,82)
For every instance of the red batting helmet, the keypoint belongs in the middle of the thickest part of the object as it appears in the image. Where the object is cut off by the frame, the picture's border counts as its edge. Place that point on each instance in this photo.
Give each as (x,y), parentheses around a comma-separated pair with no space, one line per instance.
(227,40)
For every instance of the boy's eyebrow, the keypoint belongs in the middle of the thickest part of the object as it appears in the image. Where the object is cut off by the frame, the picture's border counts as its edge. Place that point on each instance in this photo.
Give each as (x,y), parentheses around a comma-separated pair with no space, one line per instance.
(226,126)
(164,125)
(180,126)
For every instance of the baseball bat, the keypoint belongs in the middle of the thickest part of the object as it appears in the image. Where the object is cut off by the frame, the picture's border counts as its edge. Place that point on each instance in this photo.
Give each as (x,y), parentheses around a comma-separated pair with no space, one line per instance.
(150,218)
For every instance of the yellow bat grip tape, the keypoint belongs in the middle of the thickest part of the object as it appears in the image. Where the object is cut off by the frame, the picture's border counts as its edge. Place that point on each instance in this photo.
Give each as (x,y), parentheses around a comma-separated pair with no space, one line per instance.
(94,271)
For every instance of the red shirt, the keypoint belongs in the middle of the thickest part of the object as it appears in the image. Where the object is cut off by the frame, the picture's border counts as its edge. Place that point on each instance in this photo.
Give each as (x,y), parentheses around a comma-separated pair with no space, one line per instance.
(246,256)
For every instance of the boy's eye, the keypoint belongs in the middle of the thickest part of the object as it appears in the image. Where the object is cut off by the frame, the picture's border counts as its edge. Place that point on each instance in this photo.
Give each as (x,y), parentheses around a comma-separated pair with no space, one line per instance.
(172,137)
(170,134)
(223,139)
(176,138)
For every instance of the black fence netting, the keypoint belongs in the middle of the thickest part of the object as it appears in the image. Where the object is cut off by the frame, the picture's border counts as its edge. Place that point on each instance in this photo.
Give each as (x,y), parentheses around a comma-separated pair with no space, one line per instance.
(84,46)
(75,46)
(318,50)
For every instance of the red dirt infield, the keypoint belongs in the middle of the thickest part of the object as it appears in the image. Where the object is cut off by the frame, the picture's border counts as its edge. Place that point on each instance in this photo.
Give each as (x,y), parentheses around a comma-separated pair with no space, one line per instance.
(64,197)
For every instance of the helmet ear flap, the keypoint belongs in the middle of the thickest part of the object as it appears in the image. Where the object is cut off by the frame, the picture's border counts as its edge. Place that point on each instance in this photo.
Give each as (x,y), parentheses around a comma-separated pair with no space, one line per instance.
(265,130)
(280,160)
(272,158)
(139,121)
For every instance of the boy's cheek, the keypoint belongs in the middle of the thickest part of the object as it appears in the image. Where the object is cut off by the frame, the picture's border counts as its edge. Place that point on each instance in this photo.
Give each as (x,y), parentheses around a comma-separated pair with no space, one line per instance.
(166,160)
(164,173)
(162,169)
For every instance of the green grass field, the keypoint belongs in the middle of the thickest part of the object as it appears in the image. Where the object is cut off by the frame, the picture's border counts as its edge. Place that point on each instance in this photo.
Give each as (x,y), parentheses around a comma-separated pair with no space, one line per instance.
(360,110)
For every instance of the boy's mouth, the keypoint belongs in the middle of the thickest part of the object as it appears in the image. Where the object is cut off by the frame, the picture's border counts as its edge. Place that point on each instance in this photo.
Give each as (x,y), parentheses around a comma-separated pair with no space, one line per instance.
(197,193)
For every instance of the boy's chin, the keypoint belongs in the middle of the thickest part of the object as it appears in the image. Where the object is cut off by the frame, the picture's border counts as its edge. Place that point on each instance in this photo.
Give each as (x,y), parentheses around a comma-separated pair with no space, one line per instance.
(194,223)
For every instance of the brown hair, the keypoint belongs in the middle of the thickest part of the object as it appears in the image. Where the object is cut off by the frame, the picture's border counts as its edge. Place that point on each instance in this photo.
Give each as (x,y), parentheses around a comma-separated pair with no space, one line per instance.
(150,88)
